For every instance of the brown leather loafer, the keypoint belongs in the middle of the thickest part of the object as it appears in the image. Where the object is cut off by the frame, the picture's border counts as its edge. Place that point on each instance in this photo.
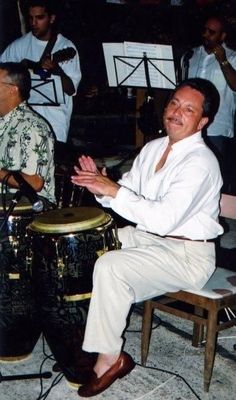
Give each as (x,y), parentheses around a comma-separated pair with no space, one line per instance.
(122,367)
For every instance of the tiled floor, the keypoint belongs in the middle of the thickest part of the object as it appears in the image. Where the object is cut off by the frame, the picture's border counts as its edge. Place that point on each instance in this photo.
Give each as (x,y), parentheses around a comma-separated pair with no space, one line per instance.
(170,352)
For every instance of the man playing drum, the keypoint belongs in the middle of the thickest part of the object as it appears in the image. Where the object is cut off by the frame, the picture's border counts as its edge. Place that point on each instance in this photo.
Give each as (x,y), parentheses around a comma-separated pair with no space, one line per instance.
(172,194)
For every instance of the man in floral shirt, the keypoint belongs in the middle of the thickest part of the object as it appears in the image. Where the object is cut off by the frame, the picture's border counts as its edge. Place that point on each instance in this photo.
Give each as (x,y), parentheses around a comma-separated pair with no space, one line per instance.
(26,140)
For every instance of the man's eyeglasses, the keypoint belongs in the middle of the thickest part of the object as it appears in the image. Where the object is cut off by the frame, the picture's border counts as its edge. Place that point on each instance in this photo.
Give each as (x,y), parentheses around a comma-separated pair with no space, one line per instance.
(8,83)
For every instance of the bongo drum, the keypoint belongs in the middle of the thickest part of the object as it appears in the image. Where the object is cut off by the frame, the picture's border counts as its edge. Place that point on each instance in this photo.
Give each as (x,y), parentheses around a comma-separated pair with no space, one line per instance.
(65,244)
(19,330)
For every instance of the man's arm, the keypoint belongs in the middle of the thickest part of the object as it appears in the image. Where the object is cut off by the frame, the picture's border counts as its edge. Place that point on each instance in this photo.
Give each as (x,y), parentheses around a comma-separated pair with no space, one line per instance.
(34,180)
(227,69)
(54,68)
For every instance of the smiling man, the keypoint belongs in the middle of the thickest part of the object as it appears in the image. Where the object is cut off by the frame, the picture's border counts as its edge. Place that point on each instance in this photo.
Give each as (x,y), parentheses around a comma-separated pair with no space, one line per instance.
(172,195)
(184,114)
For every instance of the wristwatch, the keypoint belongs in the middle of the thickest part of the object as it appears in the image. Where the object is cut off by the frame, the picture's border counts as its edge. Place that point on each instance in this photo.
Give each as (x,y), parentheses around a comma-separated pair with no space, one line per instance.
(224,63)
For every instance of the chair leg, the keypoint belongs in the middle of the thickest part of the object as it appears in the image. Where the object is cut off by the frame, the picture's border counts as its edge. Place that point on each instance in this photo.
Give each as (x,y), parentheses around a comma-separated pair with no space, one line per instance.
(146,330)
(198,329)
(210,349)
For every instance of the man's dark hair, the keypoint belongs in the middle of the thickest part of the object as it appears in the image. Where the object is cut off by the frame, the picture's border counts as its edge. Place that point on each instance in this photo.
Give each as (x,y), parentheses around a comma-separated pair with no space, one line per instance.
(18,75)
(221,19)
(208,90)
(49,5)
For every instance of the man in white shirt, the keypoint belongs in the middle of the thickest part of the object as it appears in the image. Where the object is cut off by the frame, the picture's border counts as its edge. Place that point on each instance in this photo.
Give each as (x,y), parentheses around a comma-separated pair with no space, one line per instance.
(213,60)
(172,195)
(30,49)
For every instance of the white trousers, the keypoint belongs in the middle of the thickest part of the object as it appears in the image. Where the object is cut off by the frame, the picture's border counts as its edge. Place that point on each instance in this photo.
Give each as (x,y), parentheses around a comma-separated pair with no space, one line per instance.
(146,266)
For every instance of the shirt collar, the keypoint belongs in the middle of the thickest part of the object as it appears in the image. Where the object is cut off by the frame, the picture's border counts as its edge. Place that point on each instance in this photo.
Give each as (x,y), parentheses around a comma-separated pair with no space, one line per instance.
(188,141)
(13,112)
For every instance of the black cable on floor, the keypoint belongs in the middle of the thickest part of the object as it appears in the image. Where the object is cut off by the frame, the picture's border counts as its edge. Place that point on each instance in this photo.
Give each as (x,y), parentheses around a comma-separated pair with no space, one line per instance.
(55,382)
(139,330)
(41,379)
(138,309)
(47,357)
(171,373)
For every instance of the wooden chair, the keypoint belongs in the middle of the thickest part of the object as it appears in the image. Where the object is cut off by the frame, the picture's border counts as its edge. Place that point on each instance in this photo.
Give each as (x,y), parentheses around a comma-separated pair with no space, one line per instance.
(201,306)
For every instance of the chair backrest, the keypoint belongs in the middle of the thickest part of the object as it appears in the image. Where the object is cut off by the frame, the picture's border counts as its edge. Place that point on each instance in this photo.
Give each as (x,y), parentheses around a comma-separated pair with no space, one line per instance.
(228,206)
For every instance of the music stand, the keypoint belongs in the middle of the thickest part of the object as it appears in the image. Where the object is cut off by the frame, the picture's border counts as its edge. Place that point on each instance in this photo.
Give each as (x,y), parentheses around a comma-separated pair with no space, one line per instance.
(140,65)
(46,92)
(146,62)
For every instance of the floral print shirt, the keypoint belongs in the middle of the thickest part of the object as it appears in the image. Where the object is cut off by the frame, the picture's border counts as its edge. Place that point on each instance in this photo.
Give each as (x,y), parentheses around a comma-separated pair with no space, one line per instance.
(27,145)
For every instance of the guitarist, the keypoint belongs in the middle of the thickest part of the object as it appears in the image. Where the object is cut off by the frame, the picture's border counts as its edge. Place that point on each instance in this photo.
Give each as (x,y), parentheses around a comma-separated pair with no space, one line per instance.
(35,49)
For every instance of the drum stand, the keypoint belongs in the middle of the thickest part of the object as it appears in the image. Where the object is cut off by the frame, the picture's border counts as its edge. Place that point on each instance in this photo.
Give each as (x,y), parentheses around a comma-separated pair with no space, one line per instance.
(42,375)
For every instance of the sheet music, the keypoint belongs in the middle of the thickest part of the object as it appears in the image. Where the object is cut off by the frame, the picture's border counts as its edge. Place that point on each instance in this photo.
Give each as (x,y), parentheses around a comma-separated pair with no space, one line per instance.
(125,66)
(158,56)
(110,50)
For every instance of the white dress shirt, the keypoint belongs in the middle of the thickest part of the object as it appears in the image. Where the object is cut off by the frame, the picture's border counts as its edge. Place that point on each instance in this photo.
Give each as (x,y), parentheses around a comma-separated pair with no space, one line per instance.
(181,199)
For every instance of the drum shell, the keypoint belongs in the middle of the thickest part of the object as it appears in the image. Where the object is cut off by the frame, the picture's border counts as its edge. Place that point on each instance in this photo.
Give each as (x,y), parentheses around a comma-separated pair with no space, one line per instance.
(19,327)
(62,274)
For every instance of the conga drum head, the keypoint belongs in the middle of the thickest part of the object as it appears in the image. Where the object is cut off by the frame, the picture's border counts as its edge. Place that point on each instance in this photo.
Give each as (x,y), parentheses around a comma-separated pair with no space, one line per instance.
(69,220)
(23,206)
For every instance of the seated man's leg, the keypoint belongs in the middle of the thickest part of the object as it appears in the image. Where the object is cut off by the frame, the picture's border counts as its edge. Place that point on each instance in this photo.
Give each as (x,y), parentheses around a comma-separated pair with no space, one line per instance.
(123,277)
(149,268)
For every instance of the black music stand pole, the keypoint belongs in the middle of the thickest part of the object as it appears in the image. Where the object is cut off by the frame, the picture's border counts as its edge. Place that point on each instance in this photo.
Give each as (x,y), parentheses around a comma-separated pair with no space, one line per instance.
(145,61)
(149,95)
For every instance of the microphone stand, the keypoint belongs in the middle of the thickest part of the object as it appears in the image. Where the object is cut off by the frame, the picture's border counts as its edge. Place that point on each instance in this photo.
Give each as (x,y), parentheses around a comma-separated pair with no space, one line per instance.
(13,203)
(45,375)
(40,375)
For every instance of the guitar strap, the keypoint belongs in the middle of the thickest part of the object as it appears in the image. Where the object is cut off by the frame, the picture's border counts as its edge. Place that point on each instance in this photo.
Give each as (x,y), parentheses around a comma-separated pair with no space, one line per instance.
(48,49)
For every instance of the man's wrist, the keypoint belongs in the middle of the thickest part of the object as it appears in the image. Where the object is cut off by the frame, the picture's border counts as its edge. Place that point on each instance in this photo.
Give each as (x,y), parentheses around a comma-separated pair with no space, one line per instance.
(114,190)
(57,70)
(224,63)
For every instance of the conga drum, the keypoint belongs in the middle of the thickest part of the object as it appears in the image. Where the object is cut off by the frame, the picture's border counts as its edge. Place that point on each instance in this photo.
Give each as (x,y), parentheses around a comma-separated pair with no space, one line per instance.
(19,330)
(65,244)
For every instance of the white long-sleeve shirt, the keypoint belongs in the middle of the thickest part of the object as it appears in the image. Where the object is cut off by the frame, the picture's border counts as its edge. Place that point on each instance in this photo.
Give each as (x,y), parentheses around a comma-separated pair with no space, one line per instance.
(181,199)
